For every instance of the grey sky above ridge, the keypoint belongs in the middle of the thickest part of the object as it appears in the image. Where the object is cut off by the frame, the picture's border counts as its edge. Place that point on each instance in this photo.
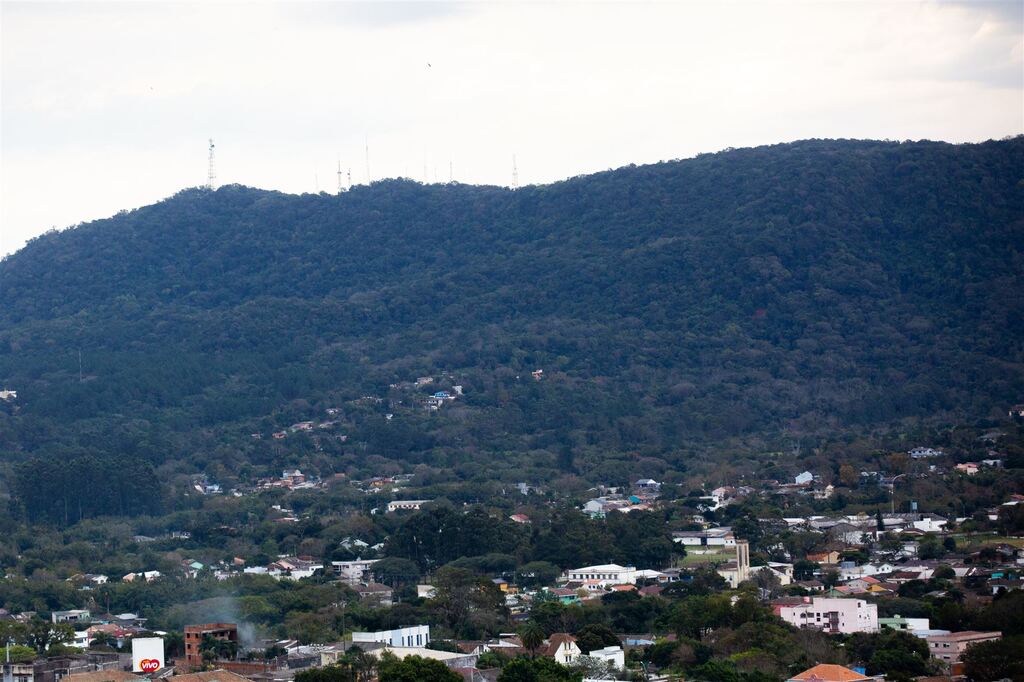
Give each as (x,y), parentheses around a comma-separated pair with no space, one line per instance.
(108,106)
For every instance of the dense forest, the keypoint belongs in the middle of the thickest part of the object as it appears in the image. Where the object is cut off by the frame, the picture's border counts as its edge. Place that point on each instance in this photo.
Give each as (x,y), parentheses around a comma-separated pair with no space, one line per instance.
(747,298)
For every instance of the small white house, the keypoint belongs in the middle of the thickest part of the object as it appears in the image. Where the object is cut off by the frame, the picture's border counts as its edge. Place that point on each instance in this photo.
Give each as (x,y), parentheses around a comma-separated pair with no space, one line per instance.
(610,654)
(563,648)
(73,616)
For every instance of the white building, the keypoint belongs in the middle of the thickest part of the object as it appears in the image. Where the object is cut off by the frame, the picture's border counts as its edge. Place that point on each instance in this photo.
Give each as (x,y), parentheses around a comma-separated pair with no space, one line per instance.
(406,505)
(73,616)
(604,575)
(712,537)
(610,654)
(931,524)
(912,625)
(847,573)
(783,572)
(352,572)
(82,639)
(833,615)
(563,648)
(417,635)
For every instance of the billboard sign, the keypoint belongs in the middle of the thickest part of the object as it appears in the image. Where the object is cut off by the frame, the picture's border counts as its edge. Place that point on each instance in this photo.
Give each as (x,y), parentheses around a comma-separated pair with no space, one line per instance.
(147,654)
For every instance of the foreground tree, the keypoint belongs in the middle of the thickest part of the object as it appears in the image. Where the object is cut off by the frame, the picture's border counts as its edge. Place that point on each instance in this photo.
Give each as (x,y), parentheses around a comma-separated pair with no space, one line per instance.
(532,636)
(415,669)
(998,660)
(537,670)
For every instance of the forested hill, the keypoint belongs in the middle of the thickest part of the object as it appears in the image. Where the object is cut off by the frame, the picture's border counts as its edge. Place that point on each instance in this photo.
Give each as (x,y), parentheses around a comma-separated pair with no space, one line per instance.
(802,287)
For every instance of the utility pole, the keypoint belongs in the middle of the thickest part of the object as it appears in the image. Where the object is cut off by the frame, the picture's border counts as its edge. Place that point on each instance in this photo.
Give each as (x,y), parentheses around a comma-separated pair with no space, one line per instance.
(892,494)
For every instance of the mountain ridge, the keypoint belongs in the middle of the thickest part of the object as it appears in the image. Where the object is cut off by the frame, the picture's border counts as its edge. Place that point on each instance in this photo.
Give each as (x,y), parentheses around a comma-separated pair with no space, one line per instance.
(804,287)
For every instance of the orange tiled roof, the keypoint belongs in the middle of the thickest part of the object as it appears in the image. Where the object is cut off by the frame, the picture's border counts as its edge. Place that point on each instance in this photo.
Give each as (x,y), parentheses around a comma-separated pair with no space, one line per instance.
(827,672)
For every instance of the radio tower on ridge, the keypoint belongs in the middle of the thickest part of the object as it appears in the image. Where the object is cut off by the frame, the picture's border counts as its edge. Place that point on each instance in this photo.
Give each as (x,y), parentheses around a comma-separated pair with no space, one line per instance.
(515,173)
(211,176)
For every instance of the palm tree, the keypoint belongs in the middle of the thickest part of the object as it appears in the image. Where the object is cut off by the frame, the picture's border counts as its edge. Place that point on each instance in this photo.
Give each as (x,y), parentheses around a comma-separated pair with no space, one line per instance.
(361,664)
(532,636)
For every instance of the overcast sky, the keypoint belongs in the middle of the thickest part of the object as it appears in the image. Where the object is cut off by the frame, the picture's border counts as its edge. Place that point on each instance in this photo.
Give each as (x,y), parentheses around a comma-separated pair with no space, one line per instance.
(109,105)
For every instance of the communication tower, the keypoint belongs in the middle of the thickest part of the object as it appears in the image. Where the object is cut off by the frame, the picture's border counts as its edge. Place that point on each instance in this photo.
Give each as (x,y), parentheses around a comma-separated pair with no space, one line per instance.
(367,143)
(211,175)
(515,173)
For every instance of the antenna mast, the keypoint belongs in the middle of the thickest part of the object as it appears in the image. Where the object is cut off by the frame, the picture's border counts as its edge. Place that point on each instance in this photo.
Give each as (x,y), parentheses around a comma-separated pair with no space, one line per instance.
(367,143)
(515,173)
(341,187)
(211,175)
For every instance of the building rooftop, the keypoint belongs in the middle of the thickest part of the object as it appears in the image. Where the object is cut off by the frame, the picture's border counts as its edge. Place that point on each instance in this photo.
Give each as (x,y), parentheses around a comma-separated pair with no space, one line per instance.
(827,672)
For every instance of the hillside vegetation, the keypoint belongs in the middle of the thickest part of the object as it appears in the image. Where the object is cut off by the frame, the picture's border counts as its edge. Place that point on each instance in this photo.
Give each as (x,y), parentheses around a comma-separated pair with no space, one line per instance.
(798,289)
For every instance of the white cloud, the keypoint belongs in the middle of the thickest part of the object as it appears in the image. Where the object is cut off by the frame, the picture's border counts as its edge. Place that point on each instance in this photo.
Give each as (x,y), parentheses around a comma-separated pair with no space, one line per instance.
(108,106)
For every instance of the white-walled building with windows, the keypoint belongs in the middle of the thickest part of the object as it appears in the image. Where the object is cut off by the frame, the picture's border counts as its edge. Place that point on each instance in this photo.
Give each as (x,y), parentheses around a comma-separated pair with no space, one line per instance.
(417,635)
(832,615)
(604,575)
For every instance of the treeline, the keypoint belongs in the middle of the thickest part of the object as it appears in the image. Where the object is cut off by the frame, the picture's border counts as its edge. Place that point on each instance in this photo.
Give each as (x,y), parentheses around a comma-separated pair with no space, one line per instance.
(441,534)
(79,487)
